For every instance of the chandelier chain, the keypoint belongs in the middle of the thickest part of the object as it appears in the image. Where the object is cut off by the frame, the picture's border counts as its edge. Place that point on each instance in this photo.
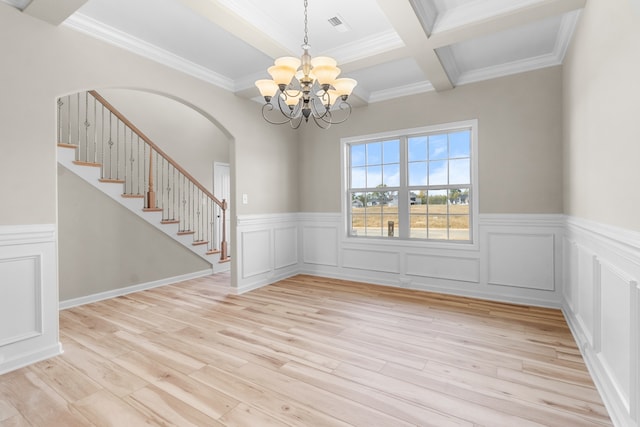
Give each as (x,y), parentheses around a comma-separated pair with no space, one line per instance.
(306,24)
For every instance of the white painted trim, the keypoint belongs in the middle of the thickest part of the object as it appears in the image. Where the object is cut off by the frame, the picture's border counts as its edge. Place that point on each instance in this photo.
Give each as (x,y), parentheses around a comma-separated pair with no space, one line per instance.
(26,234)
(616,251)
(38,340)
(26,359)
(399,91)
(366,47)
(472,282)
(101,31)
(74,302)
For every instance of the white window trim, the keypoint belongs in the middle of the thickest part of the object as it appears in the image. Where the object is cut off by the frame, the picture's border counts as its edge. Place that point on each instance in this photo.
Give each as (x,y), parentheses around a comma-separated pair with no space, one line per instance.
(344,173)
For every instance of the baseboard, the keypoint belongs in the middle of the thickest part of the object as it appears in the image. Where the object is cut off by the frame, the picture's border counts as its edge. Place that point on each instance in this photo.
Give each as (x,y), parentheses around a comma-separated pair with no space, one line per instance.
(74,302)
(25,359)
(618,413)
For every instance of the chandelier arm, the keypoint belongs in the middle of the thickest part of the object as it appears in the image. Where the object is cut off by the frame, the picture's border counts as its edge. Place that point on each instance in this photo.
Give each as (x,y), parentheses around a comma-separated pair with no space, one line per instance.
(296,122)
(322,123)
(345,107)
(269,107)
(318,113)
(286,111)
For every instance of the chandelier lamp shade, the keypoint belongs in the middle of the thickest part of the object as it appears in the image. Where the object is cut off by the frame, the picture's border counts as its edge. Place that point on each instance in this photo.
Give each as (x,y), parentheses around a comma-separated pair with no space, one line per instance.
(305,88)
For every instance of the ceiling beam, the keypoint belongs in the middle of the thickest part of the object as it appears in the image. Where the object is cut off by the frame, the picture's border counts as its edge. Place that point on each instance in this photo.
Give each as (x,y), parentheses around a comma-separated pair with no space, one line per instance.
(53,12)
(404,20)
(503,21)
(236,25)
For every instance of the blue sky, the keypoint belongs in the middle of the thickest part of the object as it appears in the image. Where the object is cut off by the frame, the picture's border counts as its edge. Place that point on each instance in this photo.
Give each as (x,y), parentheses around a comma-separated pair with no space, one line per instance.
(439,159)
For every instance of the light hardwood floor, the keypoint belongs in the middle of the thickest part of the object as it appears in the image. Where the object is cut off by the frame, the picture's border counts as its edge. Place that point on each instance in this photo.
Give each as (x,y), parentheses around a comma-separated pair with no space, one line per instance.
(306,351)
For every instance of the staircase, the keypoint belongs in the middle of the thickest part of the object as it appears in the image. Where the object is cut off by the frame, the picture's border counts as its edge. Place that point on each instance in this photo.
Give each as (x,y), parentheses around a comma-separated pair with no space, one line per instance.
(100,145)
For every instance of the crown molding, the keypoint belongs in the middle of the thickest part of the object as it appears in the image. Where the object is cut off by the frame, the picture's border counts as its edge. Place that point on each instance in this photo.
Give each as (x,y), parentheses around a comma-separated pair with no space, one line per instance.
(400,91)
(477,10)
(445,54)
(509,68)
(427,14)
(366,47)
(565,33)
(556,57)
(93,28)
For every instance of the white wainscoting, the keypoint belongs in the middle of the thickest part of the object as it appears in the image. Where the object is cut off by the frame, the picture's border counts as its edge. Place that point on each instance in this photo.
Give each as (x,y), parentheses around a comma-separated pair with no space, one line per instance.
(602,305)
(28,295)
(518,258)
(267,249)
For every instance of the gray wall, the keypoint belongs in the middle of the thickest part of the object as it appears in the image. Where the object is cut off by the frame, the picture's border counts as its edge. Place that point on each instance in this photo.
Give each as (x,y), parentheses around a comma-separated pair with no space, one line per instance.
(102,246)
(187,136)
(42,62)
(520,141)
(601,93)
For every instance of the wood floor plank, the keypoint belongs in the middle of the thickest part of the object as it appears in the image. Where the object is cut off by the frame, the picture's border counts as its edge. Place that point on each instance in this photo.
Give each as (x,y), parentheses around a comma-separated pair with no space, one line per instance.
(65,379)
(106,410)
(15,421)
(373,397)
(268,401)
(163,408)
(306,351)
(38,403)
(343,409)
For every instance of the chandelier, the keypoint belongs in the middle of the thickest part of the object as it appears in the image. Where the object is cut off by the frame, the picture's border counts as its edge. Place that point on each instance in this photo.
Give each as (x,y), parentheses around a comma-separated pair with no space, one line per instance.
(305,88)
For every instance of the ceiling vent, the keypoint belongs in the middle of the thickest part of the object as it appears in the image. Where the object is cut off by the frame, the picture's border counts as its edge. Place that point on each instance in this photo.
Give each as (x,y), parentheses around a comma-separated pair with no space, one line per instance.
(338,23)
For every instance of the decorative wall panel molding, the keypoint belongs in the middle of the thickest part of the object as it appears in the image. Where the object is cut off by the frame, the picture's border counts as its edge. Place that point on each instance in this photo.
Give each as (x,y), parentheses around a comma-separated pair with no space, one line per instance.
(602,268)
(443,267)
(285,246)
(371,260)
(268,248)
(320,244)
(28,295)
(522,260)
(22,285)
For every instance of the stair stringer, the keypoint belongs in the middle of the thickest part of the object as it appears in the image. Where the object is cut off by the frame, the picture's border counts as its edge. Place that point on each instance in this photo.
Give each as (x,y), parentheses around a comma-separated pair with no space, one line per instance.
(91,174)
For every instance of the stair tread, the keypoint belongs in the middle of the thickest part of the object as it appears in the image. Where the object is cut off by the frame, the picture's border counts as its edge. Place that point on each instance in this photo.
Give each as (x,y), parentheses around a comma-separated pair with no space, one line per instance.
(152,209)
(112,180)
(170,221)
(133,196)
(64,145)
(81,163)
(199,242)
(185,232)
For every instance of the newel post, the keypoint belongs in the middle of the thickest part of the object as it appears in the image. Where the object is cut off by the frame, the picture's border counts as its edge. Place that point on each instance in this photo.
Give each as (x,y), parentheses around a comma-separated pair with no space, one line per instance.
(151,195)
(223,244)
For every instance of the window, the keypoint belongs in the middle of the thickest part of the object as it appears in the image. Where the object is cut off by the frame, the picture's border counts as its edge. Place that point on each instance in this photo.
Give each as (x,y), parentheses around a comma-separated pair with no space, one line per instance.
(417,184)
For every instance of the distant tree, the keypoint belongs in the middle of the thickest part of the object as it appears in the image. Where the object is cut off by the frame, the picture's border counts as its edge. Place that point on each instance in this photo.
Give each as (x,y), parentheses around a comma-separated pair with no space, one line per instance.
(382,197)
(454,195)
(438,199)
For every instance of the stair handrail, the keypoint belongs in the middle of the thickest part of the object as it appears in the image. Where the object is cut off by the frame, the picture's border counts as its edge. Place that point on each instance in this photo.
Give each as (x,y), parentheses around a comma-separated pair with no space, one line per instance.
(150,193)
(96,95)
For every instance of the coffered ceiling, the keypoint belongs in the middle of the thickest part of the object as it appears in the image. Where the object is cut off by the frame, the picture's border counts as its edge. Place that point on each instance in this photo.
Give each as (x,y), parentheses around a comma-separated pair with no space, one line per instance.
(392,47)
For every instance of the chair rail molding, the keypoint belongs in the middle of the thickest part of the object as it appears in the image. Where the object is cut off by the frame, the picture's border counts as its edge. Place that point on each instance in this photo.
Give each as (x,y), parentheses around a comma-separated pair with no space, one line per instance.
(28,295)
